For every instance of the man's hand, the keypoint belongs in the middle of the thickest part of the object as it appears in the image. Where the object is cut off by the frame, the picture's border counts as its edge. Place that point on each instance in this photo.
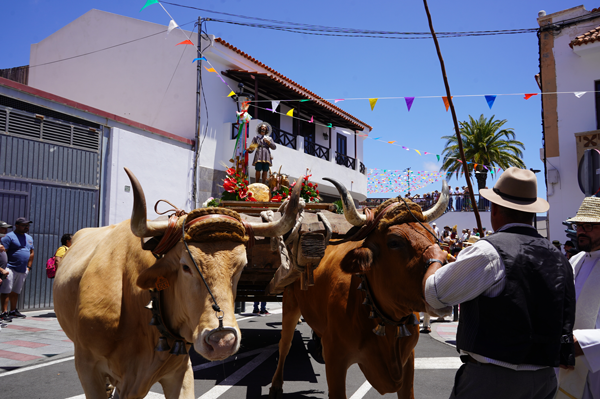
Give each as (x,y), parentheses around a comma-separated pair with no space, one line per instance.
(2,249)
(433,252)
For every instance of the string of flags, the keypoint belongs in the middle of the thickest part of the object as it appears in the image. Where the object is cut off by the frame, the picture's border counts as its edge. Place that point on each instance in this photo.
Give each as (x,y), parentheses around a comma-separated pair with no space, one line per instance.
(381,181)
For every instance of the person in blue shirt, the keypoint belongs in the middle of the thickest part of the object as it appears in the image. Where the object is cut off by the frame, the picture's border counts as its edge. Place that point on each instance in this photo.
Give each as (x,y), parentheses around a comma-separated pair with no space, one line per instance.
(19,249)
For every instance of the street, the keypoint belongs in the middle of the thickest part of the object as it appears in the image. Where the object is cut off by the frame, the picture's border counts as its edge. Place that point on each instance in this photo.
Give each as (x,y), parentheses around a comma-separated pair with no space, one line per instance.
(248,374)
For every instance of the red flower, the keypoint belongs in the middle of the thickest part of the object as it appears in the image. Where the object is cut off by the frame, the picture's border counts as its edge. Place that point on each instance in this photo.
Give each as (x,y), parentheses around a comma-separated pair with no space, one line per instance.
(276,198)
(310,184)
(317,191)
(316,185)
(230,171)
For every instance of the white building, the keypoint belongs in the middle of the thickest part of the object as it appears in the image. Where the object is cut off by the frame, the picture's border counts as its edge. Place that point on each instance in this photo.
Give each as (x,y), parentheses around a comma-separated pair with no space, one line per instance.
(134,70)
(570,62)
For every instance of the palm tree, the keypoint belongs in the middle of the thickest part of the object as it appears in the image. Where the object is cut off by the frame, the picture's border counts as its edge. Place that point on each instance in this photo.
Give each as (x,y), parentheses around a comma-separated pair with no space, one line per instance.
(485,142)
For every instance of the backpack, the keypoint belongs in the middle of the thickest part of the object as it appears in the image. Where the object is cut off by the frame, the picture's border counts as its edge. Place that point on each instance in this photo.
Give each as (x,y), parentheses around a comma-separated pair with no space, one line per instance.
(51,267)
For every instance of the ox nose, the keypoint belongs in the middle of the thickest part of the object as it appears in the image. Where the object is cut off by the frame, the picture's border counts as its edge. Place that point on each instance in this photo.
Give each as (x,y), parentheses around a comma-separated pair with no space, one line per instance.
(223,341)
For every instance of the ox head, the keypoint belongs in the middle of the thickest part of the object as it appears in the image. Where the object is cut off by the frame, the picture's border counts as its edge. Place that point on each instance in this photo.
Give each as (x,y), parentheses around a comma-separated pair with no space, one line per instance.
(391,255)
(205,272)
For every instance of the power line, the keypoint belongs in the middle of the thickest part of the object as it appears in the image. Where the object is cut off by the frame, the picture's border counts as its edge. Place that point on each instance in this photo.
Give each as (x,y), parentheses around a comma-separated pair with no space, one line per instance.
(295,27)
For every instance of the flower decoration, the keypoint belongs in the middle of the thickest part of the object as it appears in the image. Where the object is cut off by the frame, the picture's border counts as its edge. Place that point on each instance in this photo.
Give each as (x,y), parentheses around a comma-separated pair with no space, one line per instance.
(310,192)
(236,187)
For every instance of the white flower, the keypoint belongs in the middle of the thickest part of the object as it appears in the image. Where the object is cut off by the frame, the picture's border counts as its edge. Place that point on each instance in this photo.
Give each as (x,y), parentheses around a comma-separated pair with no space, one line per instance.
(205,203)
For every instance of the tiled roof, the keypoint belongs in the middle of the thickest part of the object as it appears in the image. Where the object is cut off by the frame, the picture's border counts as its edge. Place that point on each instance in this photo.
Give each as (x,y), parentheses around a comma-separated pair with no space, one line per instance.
(588,37)
(298,88)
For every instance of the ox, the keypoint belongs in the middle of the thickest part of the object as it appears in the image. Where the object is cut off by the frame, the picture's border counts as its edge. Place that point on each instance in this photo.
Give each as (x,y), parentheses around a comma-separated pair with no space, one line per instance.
(365,293)
(107,278)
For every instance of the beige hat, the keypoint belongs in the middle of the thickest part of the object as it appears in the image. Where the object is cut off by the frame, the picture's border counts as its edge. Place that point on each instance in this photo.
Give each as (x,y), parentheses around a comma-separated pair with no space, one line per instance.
(516,189)
(589,211)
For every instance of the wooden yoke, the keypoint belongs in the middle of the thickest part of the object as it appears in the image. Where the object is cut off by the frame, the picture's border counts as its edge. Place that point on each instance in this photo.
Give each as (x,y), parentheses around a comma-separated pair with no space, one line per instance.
(312,249)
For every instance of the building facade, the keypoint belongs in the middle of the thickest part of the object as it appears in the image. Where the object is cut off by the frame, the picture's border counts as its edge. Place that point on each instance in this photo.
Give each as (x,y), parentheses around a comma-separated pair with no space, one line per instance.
(569,62)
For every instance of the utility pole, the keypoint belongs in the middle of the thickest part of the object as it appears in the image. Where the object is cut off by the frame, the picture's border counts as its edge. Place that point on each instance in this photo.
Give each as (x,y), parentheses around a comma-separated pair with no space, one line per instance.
(198,104)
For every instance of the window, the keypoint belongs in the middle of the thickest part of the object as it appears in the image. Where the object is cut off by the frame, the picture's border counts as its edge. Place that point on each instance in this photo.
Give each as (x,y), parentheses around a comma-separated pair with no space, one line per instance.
(342,144)
(597,85)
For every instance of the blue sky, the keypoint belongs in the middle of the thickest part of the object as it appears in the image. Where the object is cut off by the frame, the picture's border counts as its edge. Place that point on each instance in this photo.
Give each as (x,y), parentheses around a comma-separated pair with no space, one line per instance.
(336,67)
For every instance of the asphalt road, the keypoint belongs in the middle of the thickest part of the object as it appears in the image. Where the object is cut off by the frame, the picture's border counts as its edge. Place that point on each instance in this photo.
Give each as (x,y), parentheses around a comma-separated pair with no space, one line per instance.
(248,374)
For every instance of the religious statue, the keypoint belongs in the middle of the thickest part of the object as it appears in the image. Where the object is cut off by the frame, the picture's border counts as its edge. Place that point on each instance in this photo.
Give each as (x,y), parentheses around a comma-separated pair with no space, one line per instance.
(262,144)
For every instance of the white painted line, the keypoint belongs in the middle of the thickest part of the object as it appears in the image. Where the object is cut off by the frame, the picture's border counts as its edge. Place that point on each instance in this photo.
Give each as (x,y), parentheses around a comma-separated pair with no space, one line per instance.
(235,357)
(236,377)
(362,391)
(437,363)
(151,395)
(275,311)
(37,366)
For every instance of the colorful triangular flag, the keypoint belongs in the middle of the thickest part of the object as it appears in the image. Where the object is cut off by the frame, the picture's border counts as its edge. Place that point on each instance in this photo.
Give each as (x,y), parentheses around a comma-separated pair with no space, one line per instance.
(418,152)
(578,94)
(446,102)
(312,119)
(409,102)
(149,3)
(490,100)
(392,142)
(231,94)
(329,125)
(290,113)
(199,59)
(210,69)
(185,42)
(172,25)
(337,100)
(274,105)
(406,148)
(529,95)
(372,101)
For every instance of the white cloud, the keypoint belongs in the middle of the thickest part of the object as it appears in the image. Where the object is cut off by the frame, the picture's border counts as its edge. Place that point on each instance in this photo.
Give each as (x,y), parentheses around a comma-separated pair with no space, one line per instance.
(431,166)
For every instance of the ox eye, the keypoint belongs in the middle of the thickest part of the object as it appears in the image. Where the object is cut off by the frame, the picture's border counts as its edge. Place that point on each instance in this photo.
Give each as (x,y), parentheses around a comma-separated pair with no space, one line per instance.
(395,244)
(186,269)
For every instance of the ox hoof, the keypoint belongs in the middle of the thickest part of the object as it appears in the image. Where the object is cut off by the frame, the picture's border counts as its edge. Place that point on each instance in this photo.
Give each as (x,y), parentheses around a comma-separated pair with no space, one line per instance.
(275,393)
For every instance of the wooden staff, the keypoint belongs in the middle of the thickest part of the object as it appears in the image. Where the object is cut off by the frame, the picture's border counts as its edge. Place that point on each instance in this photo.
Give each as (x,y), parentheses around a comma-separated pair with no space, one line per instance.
(454,119)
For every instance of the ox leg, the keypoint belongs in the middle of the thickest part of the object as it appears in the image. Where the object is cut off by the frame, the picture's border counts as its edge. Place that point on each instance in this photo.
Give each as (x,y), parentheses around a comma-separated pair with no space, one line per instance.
(408,376)
(289,319)
(336,368)
(179,384)
(92,381)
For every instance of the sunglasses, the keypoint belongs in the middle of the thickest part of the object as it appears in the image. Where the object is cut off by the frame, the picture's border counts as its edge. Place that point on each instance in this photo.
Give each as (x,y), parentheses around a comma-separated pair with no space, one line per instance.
(587,227)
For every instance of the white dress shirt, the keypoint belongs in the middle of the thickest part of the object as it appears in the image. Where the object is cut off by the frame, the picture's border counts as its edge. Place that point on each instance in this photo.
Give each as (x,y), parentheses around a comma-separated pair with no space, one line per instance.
(589,340)
(479,270)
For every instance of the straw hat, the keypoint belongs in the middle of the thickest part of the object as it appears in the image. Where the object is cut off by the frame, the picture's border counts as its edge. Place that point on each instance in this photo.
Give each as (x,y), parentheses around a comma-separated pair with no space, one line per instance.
(589,211)
(516,189)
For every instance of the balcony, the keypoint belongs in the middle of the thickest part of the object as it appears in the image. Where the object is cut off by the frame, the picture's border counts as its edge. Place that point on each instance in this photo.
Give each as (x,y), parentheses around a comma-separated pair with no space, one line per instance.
(345,160)
(363,168)
(284,138)
(316,150)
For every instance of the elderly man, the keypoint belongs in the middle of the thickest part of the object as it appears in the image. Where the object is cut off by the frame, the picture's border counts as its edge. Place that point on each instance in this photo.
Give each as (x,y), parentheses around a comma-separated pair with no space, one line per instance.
(19,248)
(584,380)
(517,299)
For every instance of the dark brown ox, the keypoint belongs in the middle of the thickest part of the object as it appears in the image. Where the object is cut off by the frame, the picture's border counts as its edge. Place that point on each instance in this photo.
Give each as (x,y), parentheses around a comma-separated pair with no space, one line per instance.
(389,261)
(104,283)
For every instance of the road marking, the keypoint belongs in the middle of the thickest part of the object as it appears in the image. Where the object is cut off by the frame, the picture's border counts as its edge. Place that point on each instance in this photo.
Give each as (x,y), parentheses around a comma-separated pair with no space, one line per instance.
(66,359)
(437,363)
(362,391)
(236,377)
(151,395)
(235,357)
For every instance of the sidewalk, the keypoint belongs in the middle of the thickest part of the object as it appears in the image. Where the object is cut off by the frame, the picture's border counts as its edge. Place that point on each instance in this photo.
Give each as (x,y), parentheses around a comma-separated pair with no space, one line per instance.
(31,340)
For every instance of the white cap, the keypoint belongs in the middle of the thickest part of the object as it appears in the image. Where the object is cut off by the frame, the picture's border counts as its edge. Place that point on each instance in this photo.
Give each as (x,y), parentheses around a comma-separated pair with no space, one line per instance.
(433,224)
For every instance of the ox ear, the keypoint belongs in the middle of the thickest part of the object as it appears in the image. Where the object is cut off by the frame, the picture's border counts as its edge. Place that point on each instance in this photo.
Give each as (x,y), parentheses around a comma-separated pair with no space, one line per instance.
(155,276)
(358,260)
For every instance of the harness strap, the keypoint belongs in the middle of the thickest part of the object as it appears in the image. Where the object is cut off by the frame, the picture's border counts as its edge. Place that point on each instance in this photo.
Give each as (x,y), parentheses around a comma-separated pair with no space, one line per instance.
(369,225)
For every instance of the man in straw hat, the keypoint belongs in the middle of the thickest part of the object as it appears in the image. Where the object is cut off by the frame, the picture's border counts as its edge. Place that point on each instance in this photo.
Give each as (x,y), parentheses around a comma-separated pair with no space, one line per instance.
(517,299)
(584,380)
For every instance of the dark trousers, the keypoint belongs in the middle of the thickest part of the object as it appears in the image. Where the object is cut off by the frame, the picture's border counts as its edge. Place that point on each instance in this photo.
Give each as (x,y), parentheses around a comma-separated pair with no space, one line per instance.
(490,382)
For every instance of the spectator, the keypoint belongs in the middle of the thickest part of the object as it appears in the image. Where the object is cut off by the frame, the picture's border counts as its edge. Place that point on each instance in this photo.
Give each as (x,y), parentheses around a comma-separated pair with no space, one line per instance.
(467,200)
(263,308)
(557,245)
(19,248)
(3,262)
(65,240)
(436,230)
(459,200)
(568,246)
(451,199)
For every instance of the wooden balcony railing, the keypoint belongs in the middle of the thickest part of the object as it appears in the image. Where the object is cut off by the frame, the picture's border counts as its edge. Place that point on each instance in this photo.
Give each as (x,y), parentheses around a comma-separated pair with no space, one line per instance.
(345,160)
(284,138)
(316,150)
(363,168)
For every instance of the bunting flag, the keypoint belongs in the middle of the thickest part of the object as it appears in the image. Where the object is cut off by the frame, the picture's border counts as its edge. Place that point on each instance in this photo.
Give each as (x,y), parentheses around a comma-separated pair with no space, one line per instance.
(199,59)
(578,94)
(185,42)
(149,3)
(391,142)
(438,157)
(338,100)
(312,119)
(529,95)
(231,94)
(407,149)
(211,70)
(418,152)
(398,181)
(330,125)
(373,101)
(409,102)
(274,104)
(446,102)
(290,113)
(172,25)
(490,100)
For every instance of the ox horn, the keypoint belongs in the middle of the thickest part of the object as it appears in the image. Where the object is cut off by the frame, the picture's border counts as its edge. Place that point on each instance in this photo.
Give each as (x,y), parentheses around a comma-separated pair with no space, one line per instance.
(140,226)
(440,207)
(285,224)
(350,212)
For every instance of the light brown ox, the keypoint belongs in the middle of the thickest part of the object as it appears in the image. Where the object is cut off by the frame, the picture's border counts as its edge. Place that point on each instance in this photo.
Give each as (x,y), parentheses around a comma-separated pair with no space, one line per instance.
(102,287)
(391,260)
